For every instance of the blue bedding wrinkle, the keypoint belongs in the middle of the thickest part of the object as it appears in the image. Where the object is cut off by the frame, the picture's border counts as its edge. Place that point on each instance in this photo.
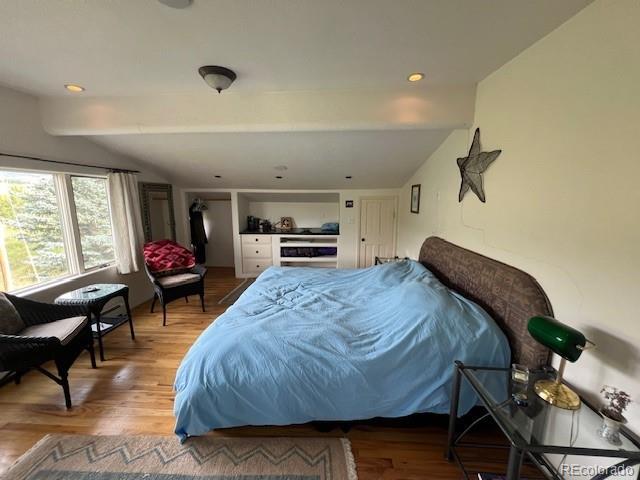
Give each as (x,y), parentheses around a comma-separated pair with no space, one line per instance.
(305,344)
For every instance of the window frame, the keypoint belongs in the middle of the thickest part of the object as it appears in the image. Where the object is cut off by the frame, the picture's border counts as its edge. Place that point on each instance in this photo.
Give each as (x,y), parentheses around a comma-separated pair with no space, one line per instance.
(77,240)
(70,229)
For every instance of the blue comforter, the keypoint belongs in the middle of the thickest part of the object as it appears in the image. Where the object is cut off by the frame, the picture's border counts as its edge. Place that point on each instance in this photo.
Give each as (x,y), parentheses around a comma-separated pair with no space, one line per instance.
(305,344)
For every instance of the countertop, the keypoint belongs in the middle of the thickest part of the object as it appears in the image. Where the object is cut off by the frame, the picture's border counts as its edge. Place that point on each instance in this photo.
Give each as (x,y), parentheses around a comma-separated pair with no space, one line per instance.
(293,231)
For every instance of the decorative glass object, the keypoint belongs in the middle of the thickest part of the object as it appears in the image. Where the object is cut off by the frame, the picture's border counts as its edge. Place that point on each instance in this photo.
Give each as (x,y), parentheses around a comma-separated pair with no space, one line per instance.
(610,429)
(520,373)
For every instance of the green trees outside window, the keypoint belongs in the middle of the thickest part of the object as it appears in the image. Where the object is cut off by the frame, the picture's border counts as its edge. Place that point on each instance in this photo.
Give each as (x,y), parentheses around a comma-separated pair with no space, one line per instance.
(34,248)
(94,223)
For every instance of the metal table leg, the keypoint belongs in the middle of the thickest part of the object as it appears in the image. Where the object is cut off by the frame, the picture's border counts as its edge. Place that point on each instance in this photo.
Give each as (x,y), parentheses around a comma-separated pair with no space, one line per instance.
(453,411)
(514,464)
(126,306)
(99,333)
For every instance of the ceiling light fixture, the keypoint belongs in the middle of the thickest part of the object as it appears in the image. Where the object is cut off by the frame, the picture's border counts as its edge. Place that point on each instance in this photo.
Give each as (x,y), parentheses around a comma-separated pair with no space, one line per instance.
(348,177)
(176,3)
(278,177)
(218,78)
(218,176)
(415,77)
(72,87)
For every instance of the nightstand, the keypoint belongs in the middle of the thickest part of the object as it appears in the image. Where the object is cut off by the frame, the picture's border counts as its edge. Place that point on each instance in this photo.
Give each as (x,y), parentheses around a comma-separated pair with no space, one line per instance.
(544,434)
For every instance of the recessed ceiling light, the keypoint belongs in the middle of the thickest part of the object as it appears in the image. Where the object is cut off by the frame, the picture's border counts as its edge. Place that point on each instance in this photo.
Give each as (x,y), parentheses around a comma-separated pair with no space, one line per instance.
(278,176)
(415,77)
(348,177)
(218,176)
(72,87)
(176,3)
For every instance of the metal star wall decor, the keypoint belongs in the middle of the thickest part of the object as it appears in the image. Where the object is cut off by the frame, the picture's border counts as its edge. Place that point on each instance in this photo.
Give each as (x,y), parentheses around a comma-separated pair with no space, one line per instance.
(473,166)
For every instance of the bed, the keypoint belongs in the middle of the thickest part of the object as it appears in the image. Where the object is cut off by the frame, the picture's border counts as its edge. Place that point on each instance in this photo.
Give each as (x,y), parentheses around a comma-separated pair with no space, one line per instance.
(304,344)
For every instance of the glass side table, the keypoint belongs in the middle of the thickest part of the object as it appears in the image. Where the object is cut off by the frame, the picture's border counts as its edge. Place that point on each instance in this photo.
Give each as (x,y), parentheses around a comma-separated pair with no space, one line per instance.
(557,441)
(95,297)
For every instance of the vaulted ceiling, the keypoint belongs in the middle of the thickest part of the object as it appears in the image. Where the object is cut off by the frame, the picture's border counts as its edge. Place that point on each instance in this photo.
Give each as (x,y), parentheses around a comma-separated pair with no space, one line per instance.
(321,85)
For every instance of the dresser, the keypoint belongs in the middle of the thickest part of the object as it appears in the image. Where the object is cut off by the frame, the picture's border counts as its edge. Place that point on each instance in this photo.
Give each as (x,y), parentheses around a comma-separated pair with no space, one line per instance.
(257,253)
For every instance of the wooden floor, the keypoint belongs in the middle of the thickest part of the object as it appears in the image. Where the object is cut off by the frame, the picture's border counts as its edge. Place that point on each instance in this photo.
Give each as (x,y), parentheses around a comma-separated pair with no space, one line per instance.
(131,393)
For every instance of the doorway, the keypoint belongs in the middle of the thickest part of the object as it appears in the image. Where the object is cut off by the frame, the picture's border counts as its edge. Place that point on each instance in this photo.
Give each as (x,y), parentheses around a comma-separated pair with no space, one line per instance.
(378,217)
(218,227)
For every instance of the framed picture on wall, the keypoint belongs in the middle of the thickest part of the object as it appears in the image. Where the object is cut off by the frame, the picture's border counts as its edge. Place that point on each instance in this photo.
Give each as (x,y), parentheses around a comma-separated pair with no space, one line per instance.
(415,198)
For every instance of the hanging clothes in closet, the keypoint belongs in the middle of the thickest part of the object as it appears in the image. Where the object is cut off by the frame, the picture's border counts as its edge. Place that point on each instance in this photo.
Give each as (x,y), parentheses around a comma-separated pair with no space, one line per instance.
(198,234)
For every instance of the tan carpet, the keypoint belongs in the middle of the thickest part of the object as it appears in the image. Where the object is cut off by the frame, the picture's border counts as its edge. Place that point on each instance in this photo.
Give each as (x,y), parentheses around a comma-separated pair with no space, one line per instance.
(75,457)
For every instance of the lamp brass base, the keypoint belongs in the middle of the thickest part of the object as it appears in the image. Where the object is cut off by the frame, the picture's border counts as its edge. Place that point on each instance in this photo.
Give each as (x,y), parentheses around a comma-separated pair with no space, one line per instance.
(557,394)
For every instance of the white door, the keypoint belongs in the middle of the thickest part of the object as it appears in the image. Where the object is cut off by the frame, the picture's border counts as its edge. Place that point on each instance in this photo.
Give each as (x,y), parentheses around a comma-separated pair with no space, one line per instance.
(377,229)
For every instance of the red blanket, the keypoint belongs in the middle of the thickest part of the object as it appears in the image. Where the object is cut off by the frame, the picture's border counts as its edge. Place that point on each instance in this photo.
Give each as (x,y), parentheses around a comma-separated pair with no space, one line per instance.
(168,257)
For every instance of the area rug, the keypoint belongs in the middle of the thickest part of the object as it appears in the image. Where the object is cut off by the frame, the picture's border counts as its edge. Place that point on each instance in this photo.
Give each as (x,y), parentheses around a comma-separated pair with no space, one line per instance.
(231,297)
(75,457)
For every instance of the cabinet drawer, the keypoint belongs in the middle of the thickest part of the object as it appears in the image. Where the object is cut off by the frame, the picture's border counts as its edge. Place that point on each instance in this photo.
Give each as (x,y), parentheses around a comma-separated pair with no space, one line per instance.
(255,265)
(256,239)
(259,250)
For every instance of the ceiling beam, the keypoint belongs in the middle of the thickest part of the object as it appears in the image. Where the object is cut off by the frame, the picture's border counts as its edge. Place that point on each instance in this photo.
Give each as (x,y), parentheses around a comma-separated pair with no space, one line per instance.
(330,110)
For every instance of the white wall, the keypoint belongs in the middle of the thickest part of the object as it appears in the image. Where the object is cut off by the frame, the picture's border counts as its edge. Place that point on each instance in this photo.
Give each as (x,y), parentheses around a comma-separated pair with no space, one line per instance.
(21,132)
(563,198)
(219,228)
(304,214)
(440,212)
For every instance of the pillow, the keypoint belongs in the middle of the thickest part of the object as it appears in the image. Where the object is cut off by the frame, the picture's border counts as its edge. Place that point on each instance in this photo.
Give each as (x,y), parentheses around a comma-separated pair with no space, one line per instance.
(10,321)
(166,257)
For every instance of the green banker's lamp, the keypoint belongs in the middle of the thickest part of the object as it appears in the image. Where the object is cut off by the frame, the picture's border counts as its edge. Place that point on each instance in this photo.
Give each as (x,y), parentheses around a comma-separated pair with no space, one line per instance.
(569,344)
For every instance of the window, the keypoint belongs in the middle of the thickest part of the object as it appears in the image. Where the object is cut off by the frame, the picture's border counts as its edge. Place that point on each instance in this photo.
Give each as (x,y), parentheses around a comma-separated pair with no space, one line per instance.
(94,222)
(32,247)
(41,238)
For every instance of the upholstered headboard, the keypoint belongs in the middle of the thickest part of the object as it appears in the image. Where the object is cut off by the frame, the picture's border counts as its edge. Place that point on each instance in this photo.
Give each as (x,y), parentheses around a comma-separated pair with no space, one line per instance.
(509,295)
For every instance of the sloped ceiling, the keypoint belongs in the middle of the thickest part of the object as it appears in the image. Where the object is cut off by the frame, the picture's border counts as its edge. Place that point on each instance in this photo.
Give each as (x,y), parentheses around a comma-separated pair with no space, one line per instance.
(321,85)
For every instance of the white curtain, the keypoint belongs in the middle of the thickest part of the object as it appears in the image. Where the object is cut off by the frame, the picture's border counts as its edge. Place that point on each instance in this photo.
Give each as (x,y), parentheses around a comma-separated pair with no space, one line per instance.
(126,220)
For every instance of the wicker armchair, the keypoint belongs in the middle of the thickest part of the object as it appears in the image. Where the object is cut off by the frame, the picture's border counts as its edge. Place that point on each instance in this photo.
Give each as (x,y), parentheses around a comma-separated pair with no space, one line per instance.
(173,287)
(37,343)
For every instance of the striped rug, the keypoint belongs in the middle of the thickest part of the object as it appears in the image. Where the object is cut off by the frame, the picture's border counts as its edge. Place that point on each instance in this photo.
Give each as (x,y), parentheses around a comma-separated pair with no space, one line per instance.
(74,457)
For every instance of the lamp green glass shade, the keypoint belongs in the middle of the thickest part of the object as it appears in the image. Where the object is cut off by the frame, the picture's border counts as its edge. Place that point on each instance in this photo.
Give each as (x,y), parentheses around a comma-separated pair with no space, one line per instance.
(560,338)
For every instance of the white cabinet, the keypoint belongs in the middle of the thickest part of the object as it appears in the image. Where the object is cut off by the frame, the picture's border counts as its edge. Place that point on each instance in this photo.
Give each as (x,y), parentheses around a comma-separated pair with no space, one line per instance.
(256,239)
(255,265)
(259,250)
(256,253)
(306,251)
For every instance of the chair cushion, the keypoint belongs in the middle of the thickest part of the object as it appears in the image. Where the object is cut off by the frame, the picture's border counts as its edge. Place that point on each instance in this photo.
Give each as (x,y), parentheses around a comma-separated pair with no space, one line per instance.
(10,321)
(64,330)
(166,257)
(178,280)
